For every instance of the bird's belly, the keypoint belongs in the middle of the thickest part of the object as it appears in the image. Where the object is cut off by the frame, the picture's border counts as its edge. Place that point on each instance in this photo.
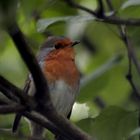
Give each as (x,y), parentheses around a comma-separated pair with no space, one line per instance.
(63,97)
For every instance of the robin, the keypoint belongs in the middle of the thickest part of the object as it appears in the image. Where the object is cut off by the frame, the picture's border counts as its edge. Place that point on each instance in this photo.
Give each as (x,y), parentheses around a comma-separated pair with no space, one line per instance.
(57,61)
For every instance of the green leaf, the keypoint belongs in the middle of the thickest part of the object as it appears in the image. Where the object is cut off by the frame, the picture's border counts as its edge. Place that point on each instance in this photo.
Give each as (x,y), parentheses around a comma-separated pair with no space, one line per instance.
(33,5)
(86,125)
(115,123)
(134,133)
(96,80)
(8,12)
(42,24)
(130,3)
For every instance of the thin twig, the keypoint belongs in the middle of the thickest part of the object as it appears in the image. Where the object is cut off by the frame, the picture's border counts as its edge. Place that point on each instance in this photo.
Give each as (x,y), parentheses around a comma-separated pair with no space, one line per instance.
(11,91)
(131,57)
(75,5)
(7,91)
(100,10)
(130,52)
(107,19)
(120,21)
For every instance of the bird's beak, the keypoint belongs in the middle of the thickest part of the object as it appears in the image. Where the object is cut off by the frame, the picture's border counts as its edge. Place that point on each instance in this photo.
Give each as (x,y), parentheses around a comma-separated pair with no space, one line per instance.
(75,43)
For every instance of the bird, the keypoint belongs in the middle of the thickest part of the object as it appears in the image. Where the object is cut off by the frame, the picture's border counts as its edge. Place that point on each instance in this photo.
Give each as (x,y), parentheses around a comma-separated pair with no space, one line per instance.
(57,62)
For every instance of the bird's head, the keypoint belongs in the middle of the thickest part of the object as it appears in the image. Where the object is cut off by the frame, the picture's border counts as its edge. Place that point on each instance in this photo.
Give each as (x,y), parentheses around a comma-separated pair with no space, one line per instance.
(58,47)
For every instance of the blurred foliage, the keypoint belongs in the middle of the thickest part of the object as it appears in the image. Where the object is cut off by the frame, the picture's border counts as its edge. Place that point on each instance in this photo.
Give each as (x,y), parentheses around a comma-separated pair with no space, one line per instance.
(112,121)
(103,69)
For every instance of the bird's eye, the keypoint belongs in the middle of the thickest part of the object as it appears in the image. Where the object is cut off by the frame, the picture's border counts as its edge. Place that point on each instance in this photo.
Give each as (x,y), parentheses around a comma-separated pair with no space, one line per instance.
(58,46)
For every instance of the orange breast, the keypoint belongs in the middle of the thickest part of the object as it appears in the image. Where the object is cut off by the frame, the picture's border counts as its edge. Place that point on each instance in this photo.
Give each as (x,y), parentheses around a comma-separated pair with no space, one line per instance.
(60,66)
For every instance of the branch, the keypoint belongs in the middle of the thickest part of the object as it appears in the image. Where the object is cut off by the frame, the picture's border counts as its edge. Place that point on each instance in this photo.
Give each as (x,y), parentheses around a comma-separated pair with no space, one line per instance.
(131,57)
(14,108)
(130,52)
(15,94)
(11,91)
(100,10)
(107,19)
(46,124)
(7,109)
(18,108)
(6,91)
(98,13)
(120,21)
(75,5)
(31,62)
